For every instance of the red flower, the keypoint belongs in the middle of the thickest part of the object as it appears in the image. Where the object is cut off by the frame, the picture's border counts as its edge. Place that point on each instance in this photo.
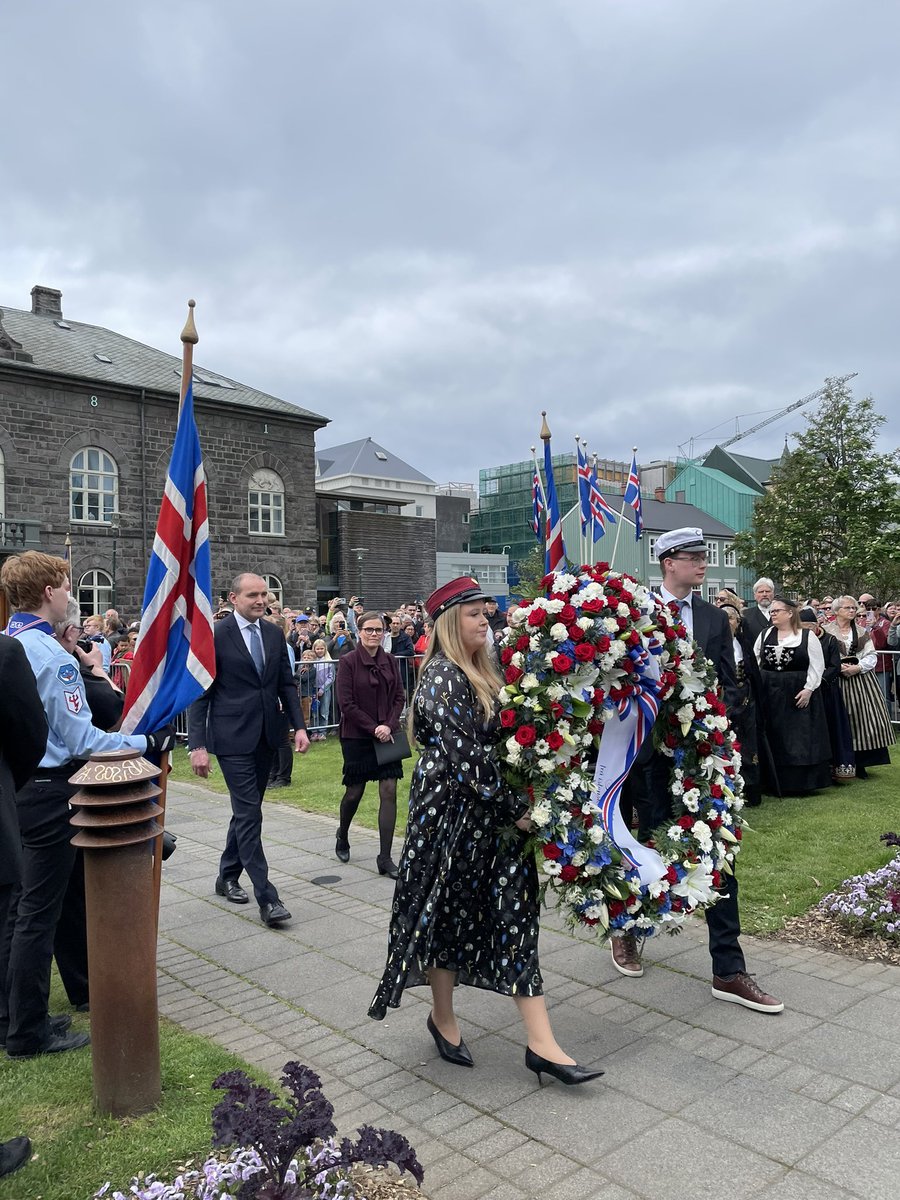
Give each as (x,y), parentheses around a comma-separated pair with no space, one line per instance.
(584,652)
(593,606)
(719,738)
(506,655)
(523,642)
(598,697)
(616,908)
(554,740)
(576,633)
(567,614)
(595,726)
(526,735)
(717,879)
(603,643)
(537,616)
(685,822)
(556,710)
(671,741)
(715,791)
(569,874)
(513,673)
(562,664)
(507,717)
(552,851)
(703,749)
(672,874)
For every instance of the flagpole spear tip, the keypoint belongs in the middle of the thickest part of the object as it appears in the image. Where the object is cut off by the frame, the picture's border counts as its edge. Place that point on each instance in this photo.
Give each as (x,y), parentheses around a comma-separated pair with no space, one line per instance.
(533,449)
(545,428)
(189,333)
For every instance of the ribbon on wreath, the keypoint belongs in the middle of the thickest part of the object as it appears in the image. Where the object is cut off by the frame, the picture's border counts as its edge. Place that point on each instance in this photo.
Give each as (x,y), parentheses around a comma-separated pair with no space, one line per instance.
(619,746)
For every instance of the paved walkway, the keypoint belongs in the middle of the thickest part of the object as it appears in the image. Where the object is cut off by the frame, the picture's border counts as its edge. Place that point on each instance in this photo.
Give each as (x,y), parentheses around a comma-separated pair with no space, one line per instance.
(700,1098)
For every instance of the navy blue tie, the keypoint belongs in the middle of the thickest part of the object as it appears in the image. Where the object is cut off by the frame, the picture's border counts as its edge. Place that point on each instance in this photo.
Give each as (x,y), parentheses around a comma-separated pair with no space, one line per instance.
(256,648)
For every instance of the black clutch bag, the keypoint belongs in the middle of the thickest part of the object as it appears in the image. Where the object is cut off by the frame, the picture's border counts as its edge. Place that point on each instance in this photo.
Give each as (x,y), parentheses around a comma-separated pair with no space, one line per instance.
(390,752)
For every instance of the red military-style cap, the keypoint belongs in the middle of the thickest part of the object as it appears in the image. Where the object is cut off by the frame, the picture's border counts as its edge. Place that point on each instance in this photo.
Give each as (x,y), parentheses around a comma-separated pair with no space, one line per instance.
(457,591)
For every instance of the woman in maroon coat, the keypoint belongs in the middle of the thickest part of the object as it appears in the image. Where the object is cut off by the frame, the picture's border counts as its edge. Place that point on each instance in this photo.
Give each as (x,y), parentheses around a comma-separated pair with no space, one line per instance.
(371,698)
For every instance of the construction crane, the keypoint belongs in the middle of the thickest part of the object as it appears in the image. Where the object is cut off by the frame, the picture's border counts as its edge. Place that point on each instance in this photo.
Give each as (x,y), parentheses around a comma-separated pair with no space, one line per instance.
(790,408)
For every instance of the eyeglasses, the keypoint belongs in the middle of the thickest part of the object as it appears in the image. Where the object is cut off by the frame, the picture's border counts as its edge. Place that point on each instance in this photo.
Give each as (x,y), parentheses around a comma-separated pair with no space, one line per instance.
(691,558)
(373,629)
(773,612)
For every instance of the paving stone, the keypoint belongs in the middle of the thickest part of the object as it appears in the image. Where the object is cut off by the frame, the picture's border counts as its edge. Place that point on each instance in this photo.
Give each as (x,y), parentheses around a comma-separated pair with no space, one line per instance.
(667,1073)
(654,1154)
(465,1137)
(855,1098)
(540,1176)
(495,1145)
(581,1185)
(860,1057)
(798,1185)
(860,1159)
(804,993)
(505,1191)
(824,1087)
(569,1119)
(878,1015)
(885,1111)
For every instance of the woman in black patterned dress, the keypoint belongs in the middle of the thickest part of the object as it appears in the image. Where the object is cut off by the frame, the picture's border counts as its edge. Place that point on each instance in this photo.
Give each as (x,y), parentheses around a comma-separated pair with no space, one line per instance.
(466,902)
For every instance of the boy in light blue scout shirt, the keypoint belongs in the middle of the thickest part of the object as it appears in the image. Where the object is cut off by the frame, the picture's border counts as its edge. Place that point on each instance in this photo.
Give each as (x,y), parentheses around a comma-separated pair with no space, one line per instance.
(37,586)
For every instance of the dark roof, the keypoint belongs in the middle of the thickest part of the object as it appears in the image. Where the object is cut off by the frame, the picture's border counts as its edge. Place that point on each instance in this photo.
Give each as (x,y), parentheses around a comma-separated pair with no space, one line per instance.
(362,458)
(756,472)
(71,348)
(661,516)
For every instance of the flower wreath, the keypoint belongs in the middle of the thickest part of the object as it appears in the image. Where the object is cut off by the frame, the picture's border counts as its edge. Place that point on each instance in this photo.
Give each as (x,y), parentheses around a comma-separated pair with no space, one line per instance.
(599,647)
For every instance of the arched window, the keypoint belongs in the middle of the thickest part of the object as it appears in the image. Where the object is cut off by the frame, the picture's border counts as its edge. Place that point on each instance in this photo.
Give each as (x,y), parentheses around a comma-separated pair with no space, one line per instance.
(93,487)
(265,503)
(274,585)
(95,592)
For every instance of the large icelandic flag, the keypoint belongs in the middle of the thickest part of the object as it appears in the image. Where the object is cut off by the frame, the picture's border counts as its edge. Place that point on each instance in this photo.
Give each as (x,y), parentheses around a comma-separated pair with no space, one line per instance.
(175,660)
(538,506)
(633,497)
(555,553)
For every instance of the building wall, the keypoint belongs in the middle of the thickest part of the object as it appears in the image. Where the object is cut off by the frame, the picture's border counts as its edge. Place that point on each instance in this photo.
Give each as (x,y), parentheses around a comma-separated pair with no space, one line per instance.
(453,528)
(44,420)
(398,564)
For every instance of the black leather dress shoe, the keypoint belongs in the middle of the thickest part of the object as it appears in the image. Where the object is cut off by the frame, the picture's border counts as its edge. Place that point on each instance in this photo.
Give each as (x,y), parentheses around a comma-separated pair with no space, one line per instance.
(55,1044)
(14,1154)
(342,848)
(231,890)
(387,866)
(458,1055)
(60,1024)
(570,1073)
(274,913)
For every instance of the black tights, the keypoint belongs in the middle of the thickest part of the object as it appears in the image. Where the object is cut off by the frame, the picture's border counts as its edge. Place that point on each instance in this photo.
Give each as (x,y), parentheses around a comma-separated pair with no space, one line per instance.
(387,811)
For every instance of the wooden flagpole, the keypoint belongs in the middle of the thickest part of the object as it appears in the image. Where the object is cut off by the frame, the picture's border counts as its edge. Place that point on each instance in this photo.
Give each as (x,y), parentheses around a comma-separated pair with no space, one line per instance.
(189,340)
(621,519)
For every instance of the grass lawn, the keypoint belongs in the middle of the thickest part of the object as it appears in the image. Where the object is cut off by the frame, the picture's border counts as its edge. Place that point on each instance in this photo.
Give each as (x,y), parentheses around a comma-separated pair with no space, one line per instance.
(75,1151)
(796,851)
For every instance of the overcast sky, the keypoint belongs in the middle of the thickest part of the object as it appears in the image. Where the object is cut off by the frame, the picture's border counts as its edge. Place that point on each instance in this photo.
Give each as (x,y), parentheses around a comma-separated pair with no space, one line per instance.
(429,219)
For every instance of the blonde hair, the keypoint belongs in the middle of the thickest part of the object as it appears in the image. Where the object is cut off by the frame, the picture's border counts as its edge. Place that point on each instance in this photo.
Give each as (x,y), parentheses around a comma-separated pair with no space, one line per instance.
(25,576)
(479,668)
(321,642)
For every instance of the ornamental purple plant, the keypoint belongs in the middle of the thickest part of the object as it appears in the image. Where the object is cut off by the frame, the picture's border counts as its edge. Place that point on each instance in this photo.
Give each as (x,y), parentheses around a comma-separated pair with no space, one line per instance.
(252,1116)
(869,903)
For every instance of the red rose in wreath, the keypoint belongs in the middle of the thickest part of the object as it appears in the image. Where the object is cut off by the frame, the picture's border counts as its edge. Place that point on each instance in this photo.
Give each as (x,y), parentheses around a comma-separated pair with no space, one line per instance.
(562,664)
(507,717)
(526,735)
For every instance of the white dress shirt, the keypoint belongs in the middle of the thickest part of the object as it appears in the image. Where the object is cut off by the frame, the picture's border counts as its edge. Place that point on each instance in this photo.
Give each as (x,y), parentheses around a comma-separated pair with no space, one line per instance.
(243,626)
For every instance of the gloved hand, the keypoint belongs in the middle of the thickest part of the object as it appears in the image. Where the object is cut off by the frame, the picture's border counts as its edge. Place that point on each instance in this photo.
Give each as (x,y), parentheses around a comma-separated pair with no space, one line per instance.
(161,740)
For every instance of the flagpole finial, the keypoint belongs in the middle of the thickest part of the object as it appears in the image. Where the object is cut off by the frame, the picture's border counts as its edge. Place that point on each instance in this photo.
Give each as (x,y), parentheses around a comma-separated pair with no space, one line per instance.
(634,449)
(545,428)
(533,448)
(189,333)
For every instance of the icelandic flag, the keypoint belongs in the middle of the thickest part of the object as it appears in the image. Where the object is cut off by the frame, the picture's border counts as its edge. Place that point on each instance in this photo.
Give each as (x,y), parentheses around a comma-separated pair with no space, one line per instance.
(633,497)
(584,487)
(175,660)
(538,507)
(555,552)
(600,509)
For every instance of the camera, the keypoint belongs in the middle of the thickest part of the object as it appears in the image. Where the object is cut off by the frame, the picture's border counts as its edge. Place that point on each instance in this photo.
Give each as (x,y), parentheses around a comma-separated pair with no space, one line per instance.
(86,644)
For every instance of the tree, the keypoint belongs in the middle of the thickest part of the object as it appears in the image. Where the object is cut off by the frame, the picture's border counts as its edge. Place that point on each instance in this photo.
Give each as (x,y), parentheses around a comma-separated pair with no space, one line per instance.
(829,521)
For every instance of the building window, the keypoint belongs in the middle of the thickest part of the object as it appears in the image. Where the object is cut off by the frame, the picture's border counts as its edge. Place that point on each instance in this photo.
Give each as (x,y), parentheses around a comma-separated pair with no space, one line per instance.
(273,583)
(2,485)
(265,503)
(712,553)
(95,592)
(651,546)
(465,518)
(419,510)
(730,557)
(491,487)
(93,487)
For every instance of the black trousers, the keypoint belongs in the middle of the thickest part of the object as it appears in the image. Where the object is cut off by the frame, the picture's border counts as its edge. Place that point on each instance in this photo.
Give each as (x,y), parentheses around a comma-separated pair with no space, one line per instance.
(283,762)
(246,776)
(47,866)
(647,791)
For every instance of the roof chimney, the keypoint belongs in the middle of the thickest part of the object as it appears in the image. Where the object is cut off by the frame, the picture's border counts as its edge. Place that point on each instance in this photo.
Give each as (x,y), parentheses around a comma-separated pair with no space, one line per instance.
(46,302)
(660,494)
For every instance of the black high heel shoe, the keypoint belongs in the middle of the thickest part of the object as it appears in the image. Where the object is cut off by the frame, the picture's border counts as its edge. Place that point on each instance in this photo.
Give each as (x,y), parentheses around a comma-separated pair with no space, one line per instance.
(342,848)
(458,1055)
(564,1072)
(387,866)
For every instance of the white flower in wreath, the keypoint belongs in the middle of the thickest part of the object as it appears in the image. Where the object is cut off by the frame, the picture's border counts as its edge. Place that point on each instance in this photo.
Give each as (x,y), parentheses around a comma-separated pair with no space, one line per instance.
(553,606)
(675,832)
(518,616)
(534,643)
(696,886)
(529,682)
(622,610)
(556,691)
(692,805)
(579,858)
(596,834)
(585,623)
(558,632)
(692,795)
(513,749)
(564,583)
(685,714)
(676,787)
(541,813)
(546,765)
(657,887)
(551,868)
(721,723)
(610,625)
(703,835)
(541,748)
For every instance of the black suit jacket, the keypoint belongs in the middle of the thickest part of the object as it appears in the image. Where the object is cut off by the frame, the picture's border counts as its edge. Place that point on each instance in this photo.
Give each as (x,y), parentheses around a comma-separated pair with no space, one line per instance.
(23,740)
(241,708)
(754,621)
(712,633)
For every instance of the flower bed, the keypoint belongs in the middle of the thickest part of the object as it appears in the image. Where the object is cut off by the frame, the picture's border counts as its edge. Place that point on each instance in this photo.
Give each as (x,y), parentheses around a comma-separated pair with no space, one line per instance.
(598,647)
(870,903)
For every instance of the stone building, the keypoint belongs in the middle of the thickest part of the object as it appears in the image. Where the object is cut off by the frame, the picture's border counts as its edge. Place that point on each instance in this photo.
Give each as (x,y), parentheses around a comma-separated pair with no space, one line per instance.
(87,421)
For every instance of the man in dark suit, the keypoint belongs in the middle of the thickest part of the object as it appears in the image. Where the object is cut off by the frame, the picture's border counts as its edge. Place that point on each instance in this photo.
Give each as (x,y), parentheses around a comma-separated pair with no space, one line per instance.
(755,617)
(239,720)
(682,559)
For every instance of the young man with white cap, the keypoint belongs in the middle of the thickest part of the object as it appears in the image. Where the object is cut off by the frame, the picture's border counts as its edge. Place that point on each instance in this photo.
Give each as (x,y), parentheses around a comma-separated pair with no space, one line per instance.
(682,558)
